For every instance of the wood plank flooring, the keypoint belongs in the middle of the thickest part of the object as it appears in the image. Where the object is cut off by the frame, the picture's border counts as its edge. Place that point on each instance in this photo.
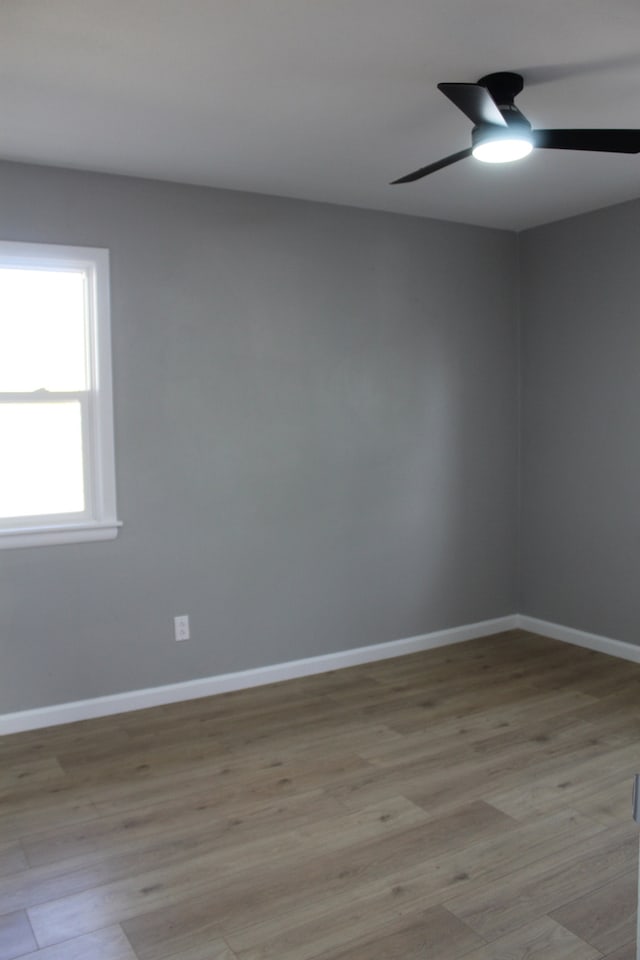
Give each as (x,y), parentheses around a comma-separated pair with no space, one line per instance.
(472,801)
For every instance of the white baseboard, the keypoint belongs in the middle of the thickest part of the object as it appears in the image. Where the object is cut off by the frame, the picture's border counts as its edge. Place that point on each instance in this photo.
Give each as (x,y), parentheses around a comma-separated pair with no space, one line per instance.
(592,641)
(224,683)
(207,686)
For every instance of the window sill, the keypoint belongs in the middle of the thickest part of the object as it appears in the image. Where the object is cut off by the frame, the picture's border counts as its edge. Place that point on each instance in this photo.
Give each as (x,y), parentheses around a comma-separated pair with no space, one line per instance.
(60,533)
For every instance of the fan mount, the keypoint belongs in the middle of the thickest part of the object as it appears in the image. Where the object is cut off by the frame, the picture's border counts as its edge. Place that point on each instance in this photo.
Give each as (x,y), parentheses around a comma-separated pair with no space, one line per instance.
(503,87)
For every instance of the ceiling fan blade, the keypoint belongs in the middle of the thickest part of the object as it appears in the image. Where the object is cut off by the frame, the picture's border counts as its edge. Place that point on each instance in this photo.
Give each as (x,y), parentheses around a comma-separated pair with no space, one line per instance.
(432,167)
(475,101)
(604,141)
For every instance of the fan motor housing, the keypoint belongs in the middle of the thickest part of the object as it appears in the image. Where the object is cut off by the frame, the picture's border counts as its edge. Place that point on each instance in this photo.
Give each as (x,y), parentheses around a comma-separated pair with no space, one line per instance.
(504,87)
(520,128)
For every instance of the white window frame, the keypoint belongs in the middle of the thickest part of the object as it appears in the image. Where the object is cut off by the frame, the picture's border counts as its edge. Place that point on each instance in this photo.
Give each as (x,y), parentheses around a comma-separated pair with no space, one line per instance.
(98,521)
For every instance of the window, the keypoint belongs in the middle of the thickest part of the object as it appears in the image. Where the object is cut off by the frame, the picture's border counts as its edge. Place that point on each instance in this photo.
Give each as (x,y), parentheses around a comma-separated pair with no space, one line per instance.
(57,481)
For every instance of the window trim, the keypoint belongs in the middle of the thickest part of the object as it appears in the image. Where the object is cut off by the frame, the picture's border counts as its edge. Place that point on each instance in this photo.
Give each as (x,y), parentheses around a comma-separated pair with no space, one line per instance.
(99,520)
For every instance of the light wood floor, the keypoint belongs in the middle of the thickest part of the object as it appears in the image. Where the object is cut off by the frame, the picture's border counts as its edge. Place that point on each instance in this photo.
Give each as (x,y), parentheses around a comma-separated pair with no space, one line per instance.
(472,801)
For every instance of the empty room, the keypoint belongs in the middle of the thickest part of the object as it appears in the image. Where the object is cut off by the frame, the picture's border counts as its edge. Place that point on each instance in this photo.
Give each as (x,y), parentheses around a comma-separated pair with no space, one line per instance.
(319,416)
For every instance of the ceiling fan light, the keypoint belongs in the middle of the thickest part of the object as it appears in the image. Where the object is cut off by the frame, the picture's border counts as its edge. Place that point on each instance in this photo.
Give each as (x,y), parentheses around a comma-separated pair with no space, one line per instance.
(502,149)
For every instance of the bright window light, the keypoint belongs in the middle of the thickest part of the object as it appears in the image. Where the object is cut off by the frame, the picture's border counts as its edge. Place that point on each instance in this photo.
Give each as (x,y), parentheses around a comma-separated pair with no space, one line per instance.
(46,441)
(57,484)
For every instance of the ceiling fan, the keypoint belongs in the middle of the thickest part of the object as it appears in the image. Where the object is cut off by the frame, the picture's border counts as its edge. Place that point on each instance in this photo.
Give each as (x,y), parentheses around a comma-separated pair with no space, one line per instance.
(502,133)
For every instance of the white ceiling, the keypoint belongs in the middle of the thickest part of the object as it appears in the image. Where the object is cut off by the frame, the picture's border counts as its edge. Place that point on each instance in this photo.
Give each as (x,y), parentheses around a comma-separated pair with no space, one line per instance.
(322,99)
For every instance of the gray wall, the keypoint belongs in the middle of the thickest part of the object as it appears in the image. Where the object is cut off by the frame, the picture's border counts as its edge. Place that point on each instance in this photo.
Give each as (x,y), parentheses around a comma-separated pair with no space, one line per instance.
(315,436)
(581,422)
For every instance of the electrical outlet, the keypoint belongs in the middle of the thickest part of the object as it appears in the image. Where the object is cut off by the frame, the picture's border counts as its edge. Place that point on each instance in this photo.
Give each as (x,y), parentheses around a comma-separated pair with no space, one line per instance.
(181,627)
